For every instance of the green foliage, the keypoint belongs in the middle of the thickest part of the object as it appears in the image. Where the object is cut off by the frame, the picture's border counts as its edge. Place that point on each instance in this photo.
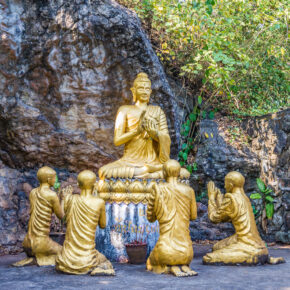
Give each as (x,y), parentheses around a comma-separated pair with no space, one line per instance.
(255,196)
(201,196)
(266,195)
(234,52)
(56,185)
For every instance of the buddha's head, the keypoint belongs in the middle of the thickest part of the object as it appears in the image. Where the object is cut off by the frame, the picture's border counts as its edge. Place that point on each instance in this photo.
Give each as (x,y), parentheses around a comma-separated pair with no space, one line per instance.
(46,175)
(141,88)
(87,179)
(171,168)
(234,179)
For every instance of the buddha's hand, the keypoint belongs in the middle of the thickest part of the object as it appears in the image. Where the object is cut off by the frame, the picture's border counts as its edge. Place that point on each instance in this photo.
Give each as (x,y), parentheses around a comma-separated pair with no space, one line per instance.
(140,127)
(151,128)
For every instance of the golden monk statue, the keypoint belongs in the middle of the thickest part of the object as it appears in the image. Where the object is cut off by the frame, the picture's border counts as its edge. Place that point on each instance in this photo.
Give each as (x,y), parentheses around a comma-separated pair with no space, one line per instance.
(246,245)
(83,213)
(143,130)
(40,249)
(173,205)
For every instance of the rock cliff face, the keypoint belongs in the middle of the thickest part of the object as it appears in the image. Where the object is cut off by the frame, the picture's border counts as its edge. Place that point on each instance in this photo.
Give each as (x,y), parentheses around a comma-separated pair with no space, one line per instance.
(65,69)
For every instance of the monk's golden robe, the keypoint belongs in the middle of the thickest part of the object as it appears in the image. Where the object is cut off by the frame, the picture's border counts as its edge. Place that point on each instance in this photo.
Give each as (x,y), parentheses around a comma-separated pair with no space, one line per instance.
(141,149)
(173,207)
(37,242)
(245,246)
(83,215)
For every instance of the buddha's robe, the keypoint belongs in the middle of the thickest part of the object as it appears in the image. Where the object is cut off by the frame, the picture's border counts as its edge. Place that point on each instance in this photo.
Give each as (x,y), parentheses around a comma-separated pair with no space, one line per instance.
(245,246)
(173,207)
(37,242)
(83,215)
(141,149)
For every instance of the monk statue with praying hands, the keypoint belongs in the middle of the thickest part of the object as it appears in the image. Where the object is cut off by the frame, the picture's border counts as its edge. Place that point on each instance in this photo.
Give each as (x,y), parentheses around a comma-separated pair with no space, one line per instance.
(245,246)
(173,205)
(37,244)
(143,130)
(83,214)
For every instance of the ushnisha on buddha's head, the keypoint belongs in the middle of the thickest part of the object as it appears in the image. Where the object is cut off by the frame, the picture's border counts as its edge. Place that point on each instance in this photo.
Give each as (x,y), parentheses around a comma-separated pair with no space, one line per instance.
(86,179)
(171,168)
(46,175)
(234,179)
(141,88)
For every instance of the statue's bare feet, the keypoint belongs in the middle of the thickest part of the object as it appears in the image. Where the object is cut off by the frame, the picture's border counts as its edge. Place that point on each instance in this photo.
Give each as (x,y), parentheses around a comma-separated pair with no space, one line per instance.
(25,262)
(176,271)
(206,259)
(102,272)
(275,261)
(148,265)
(188,271)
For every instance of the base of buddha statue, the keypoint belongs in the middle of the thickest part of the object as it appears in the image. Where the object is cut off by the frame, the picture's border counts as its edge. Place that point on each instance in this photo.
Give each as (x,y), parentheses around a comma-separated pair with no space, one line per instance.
(126,206)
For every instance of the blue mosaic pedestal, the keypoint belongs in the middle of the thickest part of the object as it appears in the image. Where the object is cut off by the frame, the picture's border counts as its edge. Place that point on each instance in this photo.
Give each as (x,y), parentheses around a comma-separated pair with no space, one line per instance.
(125,223)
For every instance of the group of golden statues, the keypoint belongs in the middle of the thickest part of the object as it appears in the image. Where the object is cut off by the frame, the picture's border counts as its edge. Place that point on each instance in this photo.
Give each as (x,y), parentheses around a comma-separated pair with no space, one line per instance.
(142,129)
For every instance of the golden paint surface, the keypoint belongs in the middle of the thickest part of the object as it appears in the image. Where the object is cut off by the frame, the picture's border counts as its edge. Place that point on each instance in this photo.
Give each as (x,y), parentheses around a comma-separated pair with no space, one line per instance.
(143,131)
(83,214)
(173,205)
(246,245)
(43,202)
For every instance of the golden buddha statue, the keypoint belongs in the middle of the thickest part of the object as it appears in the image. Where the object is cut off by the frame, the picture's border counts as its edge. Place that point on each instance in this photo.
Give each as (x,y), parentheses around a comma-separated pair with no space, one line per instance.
(246,245)
(143,130)
(83,213)
(40,249)
(173,205)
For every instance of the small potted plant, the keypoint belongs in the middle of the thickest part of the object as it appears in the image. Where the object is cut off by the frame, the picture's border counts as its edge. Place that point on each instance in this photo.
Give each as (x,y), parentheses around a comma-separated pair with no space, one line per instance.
(137,250)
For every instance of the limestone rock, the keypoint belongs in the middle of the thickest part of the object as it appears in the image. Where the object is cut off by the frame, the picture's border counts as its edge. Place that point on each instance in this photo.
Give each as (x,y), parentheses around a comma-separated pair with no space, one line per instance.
(65,69)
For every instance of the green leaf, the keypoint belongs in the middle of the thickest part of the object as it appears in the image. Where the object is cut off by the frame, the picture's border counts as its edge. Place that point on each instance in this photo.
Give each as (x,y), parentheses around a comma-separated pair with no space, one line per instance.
(211,115)
(189,168)
(56,184)
(199,100)
(183,146)
(192,117)
(184,156)
(269,198)
(255,196)
(269,210)
(181,163)
(261,184)
(187,128)
(203,114)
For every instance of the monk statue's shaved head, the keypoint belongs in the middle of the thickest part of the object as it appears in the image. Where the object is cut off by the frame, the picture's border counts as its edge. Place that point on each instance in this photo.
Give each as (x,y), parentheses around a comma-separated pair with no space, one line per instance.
(171,168)
(44,173)
(236,178)
(86,179)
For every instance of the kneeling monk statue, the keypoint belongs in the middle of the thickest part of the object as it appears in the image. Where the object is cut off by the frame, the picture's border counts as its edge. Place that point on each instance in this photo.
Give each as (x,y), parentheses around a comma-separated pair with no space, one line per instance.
(40,249)
(83,214)
(142,128)
(246,245)
(173,205)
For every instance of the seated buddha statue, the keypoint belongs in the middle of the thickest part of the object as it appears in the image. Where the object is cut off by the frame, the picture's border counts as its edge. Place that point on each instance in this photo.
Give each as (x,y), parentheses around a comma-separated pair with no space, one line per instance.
(83,214)
(173,205)
(38,246)
(143,131)
(246,245)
